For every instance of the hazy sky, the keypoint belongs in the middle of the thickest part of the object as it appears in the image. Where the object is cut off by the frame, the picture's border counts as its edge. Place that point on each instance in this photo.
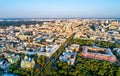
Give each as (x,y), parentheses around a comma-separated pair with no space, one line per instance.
(59,8)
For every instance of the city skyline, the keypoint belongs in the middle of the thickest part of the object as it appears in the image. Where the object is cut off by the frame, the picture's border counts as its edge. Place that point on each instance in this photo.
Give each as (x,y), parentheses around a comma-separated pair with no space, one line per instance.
(59,9)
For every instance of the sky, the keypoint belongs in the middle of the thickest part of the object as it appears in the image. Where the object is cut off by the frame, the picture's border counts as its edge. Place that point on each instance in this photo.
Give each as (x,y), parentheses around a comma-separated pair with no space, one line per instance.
(59,8)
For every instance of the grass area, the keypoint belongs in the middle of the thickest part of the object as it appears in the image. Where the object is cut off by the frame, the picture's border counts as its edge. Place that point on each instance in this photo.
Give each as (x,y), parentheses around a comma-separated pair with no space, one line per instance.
(98,51)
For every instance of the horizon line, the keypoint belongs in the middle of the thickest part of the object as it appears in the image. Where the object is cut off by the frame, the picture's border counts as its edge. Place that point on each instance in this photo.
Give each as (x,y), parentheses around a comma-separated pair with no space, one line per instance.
(60,18)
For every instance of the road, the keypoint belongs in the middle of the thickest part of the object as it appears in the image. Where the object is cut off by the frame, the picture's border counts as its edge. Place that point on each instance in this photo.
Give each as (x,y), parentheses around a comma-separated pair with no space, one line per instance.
(55,58)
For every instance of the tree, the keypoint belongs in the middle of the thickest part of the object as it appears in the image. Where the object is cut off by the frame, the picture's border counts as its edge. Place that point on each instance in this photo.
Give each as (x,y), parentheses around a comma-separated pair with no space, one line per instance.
(41,60)
(118,72)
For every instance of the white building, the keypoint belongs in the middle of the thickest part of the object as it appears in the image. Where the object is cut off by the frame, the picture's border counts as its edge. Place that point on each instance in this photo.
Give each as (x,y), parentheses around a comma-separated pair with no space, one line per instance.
(70,54)
(27,62)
